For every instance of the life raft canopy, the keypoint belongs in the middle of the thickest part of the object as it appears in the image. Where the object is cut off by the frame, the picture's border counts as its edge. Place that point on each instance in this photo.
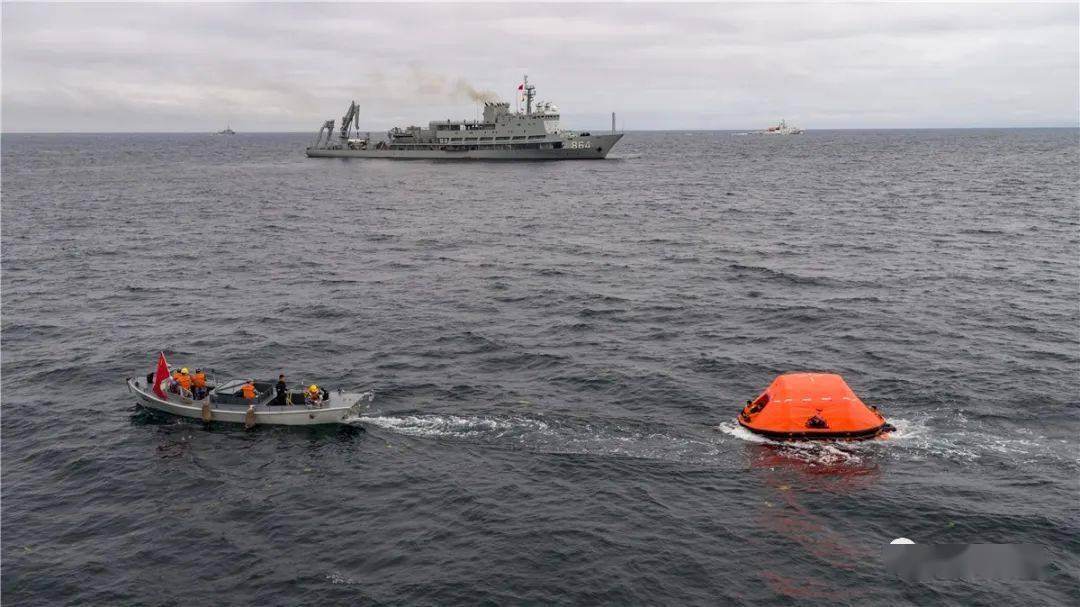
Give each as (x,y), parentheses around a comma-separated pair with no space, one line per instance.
(811,406)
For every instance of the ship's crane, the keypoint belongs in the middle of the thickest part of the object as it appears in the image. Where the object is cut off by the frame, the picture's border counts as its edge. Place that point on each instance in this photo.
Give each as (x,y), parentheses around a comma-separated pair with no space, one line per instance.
(327,126)
(351,118)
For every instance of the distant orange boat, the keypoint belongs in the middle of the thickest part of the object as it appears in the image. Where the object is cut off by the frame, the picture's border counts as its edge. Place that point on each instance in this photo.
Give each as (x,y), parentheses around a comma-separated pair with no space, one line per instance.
(811,406)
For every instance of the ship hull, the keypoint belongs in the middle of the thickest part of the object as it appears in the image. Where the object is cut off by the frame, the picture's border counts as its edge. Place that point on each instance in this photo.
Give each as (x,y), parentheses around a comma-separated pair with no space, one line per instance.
(598,148)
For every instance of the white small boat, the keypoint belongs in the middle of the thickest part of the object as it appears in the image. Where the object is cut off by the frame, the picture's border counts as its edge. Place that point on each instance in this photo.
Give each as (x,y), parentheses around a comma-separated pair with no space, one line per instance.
(224,404)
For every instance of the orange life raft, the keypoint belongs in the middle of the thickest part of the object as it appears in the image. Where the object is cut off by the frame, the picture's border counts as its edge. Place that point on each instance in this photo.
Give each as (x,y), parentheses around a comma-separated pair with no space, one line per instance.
(811,406)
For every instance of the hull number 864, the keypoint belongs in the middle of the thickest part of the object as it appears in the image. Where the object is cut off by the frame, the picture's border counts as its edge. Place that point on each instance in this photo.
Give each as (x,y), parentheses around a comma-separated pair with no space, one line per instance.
(575,145)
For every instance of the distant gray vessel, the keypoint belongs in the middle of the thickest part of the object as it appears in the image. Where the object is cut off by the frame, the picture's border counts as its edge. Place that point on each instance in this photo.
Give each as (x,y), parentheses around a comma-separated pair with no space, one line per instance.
(780,129)
(501,135)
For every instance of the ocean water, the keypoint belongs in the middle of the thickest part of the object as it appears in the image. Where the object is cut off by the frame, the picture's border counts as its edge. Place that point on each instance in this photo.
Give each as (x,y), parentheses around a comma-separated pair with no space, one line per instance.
(558,351)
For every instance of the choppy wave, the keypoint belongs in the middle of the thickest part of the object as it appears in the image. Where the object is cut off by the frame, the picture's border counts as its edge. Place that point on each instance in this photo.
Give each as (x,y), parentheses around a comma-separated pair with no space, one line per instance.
(572,329)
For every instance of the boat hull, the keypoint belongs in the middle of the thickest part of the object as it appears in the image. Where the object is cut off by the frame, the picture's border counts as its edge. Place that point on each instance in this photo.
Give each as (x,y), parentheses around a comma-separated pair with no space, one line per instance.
(819,434)
(598,148)
(289,415)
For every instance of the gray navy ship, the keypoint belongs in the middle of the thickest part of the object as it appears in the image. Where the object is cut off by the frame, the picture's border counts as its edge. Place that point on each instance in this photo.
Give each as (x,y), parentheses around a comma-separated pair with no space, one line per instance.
(534,134)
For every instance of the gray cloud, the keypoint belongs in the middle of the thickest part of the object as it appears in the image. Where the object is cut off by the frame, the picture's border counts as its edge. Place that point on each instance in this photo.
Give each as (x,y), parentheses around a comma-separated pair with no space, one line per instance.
(106,67)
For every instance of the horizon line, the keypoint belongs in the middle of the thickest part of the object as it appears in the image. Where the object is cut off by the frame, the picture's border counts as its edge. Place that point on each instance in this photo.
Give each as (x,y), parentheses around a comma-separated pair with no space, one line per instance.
(664,130)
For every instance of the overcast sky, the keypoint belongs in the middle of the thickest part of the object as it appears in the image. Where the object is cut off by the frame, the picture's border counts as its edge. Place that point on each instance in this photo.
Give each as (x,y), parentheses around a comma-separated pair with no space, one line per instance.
(288,67)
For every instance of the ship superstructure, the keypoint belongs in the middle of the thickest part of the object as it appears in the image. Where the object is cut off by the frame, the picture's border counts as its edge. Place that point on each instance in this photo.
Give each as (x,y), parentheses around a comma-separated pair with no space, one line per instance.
(501,134)
(781,129)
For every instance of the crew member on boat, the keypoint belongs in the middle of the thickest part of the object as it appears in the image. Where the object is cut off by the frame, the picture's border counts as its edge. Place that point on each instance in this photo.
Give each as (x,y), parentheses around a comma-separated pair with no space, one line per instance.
(248,390)
(184,381)
(281,390)
(313,396)
(198,384)
(174,382)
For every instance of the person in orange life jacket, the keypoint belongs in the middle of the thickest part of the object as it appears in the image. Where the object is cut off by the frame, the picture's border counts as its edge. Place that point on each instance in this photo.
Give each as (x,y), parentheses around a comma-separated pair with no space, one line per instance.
(198,384)
(184,379)
(248,390)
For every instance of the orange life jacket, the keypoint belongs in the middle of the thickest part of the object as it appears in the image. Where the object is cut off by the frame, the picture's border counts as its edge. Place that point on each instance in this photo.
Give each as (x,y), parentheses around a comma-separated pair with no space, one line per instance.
(199,380)
(249,390)
(184,381)
(176,375)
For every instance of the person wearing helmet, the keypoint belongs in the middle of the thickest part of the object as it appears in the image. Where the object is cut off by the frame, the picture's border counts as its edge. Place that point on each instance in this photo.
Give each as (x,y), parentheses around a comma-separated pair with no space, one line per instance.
(313,396)
(183,382)
(248,390)
(198,384)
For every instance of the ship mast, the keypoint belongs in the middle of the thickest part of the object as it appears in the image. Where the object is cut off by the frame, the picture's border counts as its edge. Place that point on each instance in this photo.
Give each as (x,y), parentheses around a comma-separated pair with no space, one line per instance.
(530,92)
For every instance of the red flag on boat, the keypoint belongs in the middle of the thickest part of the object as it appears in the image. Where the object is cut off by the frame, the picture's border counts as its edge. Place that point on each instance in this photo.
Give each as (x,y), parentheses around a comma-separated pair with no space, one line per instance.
(160,375)
(521,87)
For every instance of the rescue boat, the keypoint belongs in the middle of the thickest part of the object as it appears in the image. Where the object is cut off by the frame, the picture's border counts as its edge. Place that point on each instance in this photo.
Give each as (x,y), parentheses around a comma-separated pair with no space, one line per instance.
(223,403)
(227,401)
(812,406)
